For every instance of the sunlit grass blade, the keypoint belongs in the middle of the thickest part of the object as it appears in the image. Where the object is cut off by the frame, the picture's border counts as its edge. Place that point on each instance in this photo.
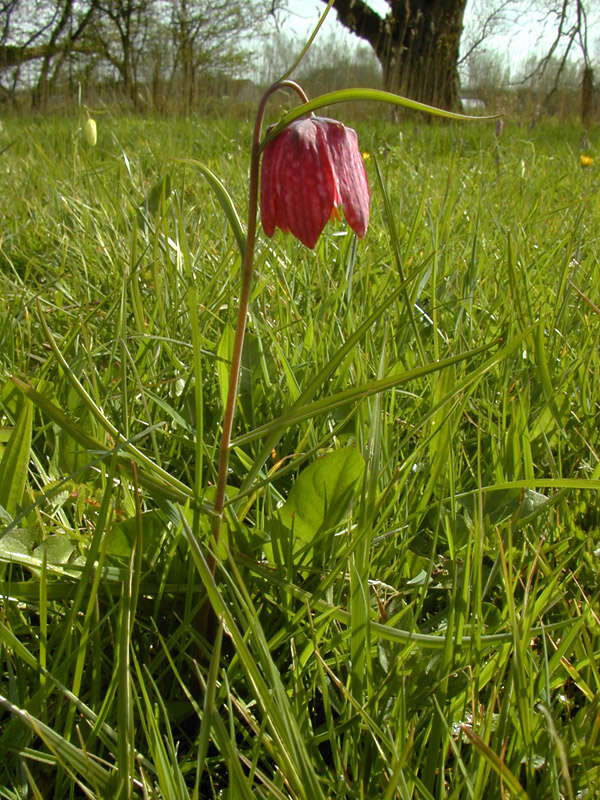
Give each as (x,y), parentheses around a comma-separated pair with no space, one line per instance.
(297,414)
(224,199)
(154,475)
(505,775)
(71,757)
(290,747)
(15,460)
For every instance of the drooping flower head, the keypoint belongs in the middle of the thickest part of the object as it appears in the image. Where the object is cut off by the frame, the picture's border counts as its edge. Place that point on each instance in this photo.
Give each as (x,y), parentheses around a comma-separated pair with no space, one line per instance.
(309,171)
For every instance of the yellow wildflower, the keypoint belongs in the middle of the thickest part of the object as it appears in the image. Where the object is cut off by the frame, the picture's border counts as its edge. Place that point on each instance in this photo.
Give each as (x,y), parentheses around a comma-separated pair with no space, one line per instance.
(586,161)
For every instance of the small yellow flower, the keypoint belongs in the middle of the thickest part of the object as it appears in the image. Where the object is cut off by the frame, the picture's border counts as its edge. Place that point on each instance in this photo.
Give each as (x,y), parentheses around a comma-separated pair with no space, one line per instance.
(586,161)
(366,156)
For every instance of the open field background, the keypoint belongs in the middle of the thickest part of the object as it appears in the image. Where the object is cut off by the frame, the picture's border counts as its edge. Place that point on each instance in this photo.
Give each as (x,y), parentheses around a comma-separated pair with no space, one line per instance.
(409,595)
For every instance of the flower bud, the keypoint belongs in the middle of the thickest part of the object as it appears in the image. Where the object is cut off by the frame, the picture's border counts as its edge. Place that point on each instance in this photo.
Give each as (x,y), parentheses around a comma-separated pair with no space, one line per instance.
(89,131)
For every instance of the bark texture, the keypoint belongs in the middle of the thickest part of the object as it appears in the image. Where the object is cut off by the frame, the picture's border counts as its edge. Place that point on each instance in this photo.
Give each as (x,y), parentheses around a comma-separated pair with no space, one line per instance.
(587,95)
(417,44)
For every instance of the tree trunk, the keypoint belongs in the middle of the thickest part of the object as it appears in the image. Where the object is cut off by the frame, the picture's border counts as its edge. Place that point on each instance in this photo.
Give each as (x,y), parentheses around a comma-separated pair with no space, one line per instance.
(587,95)
(417,44)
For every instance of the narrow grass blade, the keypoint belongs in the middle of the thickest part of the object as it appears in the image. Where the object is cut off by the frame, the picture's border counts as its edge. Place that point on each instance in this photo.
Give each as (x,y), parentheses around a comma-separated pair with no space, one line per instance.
(124,694)
(309,41)
(373,95)
(15,461)
(544,373)
(154,475)
(389,632)
(224,356)
(209,707)
(505,775)
(224,199)
(362,391)
(395,242)
(290,748)
(69,756)
(99,415)
(162,749)
(314,385)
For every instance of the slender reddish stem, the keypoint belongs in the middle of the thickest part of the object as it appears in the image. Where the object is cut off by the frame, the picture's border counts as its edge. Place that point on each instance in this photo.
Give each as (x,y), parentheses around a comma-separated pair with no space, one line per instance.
(238,344)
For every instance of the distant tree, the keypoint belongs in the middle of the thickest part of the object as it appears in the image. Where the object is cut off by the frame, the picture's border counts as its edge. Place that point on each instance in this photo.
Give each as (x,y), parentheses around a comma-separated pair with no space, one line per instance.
(69,22)
(154,43)
(42,31)
(486,71)
(569,20)
(206,34)
(120,34)
(486,20)
(417,42)
(587,94)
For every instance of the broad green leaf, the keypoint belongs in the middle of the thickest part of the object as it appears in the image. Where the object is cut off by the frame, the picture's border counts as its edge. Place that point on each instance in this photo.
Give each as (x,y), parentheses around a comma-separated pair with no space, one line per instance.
(123,535)
(18,542)
(57,547)
(15,461)
(152,204)
(161,188)
(320,496)
(503,504)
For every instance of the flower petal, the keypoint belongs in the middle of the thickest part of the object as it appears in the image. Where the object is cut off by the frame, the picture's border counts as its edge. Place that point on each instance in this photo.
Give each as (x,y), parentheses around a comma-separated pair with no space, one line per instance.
(272,214)
(305,181)
(350,173)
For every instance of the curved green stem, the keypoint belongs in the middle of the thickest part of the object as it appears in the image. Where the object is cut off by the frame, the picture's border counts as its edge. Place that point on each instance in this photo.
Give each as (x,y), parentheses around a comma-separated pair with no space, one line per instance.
(306,47)
(364,95)
(238,344)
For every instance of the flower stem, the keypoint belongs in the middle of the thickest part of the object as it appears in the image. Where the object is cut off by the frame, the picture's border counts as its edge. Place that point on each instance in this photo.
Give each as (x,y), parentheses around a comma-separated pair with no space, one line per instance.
(238,344)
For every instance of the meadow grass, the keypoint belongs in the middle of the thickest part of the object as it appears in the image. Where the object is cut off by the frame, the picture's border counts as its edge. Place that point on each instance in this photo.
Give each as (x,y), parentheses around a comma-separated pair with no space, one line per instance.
(406,605)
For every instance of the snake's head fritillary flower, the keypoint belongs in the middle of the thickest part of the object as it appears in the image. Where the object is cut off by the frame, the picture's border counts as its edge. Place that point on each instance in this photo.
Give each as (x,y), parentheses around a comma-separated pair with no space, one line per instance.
(310,171)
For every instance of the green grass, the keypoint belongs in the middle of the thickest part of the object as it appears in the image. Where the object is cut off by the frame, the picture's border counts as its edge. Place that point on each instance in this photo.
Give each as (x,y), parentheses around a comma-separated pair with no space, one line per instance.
(407,602)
